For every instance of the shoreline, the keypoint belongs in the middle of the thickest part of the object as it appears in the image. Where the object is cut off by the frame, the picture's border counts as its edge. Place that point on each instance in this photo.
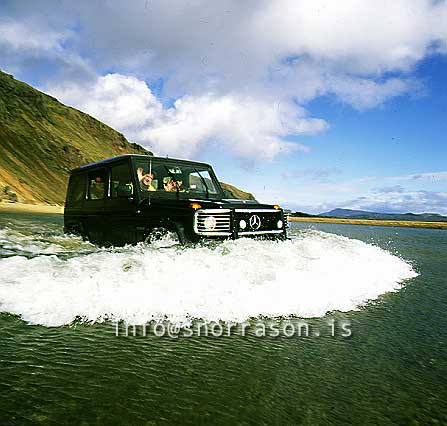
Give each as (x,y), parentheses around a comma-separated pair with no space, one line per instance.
(6,207)
(372,222)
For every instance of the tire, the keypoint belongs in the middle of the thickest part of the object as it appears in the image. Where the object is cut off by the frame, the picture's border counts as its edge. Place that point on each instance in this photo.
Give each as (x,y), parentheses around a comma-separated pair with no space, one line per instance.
(162,237)
(76,229)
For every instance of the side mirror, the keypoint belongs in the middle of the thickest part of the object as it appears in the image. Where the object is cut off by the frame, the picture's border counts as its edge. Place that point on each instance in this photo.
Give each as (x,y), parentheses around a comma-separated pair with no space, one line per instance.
(228,194)
(124,191)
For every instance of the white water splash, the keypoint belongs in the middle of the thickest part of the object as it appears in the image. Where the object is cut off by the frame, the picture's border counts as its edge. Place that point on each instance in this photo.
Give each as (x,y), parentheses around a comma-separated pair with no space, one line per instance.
(307,276)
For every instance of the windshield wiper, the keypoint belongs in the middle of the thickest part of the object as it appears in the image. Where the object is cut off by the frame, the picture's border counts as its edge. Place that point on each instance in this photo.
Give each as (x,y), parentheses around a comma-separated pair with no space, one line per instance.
(204,183)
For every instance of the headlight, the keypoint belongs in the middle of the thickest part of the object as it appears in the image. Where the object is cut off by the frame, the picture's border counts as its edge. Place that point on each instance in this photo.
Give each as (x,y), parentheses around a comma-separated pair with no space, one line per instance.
(279,224)
(210,223)
(242,224)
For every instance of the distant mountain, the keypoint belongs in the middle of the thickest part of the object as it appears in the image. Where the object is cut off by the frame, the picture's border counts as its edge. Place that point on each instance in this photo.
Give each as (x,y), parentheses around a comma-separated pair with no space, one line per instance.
(361,214)
(41,140)
(301,214)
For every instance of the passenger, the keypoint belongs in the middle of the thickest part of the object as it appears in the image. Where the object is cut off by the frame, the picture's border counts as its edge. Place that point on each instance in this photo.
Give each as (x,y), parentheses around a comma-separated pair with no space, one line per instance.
(146,180)
(97,187)
(173,185)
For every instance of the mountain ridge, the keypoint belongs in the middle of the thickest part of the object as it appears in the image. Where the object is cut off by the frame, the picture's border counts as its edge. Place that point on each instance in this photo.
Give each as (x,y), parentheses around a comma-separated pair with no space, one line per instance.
(363,214)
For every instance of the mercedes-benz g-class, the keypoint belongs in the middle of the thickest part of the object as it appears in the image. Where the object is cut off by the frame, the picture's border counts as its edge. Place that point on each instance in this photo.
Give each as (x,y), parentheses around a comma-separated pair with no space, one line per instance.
(124,199)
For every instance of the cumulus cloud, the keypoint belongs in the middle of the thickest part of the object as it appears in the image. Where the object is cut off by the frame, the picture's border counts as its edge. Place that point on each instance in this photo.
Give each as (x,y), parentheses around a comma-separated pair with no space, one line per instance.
(403,202)
(293,48)
(361,194)
(226,66)
(362,93)
(25,44)
(367,37)
(406,202)
(231,45)
(32,47)
(20,35)
(122,101)
(248,127)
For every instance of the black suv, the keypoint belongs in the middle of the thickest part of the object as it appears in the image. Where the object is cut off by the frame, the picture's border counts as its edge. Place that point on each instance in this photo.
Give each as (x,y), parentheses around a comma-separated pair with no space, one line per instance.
(126,199)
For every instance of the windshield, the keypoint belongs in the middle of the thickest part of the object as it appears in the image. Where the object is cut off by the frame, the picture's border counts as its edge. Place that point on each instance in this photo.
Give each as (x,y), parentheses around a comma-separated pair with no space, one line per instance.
(165,178)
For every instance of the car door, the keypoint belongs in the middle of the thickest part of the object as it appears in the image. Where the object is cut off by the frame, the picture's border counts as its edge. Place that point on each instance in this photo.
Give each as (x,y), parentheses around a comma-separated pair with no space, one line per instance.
(120,206)
(94,204)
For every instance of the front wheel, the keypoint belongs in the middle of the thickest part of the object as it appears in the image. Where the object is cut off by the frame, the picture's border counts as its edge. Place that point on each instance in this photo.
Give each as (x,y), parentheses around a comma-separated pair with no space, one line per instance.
(162,237)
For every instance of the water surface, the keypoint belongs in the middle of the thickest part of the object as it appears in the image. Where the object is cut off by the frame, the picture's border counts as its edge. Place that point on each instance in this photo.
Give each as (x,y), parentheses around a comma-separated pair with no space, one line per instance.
(61,365)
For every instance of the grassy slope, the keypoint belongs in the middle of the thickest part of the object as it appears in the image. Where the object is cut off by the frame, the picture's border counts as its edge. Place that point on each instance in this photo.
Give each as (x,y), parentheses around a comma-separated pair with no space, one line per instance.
(41,140)
(236,192)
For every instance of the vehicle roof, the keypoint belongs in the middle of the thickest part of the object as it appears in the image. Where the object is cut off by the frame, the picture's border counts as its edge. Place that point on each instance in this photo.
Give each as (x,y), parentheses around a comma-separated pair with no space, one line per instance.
(112,160)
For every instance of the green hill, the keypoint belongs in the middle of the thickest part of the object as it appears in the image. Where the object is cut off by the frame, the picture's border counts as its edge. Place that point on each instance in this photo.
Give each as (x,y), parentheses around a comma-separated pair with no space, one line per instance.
(237,193)
(41,140)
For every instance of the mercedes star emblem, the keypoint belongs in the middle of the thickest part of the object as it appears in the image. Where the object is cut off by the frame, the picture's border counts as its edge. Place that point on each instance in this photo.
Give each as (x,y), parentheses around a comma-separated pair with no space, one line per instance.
(255,222)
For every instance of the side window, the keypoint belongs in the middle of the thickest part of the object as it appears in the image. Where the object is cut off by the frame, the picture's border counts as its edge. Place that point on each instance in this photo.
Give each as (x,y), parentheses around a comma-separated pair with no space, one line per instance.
(76,190)
(121,181)
(97,184)
(149,176)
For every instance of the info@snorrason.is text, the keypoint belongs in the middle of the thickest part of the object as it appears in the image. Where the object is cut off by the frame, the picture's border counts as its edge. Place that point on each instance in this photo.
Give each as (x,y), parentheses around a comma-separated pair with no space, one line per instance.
(287,328)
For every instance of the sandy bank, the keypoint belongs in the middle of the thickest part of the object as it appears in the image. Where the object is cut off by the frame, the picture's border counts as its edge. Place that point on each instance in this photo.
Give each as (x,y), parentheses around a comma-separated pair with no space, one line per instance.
(6,207)
(372,222)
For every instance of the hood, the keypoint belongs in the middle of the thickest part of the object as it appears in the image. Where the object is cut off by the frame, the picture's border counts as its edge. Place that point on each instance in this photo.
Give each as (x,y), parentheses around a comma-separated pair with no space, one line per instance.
(229,203)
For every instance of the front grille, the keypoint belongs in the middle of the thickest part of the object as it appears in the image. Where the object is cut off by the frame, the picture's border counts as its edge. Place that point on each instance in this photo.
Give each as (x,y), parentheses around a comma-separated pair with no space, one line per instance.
(221,225)
(268,219)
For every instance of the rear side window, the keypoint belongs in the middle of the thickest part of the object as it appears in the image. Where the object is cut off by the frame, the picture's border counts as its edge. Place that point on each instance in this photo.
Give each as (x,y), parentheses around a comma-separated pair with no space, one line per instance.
(76,190)
(120,180)
(97,185)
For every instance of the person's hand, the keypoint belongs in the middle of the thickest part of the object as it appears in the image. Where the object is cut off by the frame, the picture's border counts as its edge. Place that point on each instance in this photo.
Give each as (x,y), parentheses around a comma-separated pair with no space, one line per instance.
(169,186)
(140,173)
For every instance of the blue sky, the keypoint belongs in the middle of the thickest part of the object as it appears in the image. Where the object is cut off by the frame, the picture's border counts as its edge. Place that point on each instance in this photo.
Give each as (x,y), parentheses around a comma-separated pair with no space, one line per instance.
(314,105)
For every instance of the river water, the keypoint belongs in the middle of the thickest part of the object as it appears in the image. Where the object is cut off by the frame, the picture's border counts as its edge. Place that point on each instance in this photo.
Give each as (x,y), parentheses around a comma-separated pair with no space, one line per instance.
(373,348)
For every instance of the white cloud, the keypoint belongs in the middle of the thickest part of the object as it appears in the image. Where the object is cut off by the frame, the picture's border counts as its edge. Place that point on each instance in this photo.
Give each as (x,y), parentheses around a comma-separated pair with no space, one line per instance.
(20,35)
(32,47)
(406,201)
(362,93)
(227,64)
(370,193)
(121,101)
(366,37)
(232,46)
(247,127)
(314,47)
(430,176)
(403,201)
